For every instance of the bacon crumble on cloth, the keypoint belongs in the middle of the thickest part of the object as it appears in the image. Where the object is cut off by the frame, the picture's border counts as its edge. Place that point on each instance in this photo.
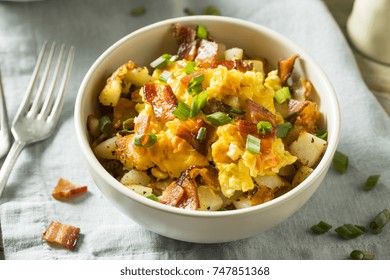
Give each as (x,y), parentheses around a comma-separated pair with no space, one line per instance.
(285,68)
(62,234)
(163,100)
(66,189)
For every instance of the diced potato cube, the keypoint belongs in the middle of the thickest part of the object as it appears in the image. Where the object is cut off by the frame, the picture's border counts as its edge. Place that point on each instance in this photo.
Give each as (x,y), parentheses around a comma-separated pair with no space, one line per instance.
(139,76)
(308,148)
(242,202)
(106,149)
(258,65)
(270,181)
(234,53)
(302,173)
(208,200)
(142,190)
(135,177)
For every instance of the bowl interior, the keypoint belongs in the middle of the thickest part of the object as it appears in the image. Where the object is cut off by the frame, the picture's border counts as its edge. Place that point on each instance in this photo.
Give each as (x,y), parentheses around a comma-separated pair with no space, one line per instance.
(148,43)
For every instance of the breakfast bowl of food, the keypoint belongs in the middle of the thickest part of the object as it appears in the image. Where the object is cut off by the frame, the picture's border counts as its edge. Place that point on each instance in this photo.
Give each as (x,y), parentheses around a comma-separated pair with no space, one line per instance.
(207,129)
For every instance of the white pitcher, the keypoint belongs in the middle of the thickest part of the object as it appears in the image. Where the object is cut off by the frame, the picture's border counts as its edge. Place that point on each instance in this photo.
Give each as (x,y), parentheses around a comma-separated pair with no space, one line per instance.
(368,28)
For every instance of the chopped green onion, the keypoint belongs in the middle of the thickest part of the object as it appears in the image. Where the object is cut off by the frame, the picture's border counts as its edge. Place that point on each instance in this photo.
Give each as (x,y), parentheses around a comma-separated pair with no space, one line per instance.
(182,111)
(201,32)
(201,134)
(165,75)
(152,197)
(139,140)
(189,12)
(190,67)
(163,61)
(281,95)
(264,127)
(349,231)
(138,11)
(321,227)
(222,209)
(361,255)
(323,134)
(283,129)
(219,118)
(340,162)
(379,222)
(128,125)
(371,182)
(198,103)
(195,85)
(105,125)
(236,111)
(252,144)
(211,10)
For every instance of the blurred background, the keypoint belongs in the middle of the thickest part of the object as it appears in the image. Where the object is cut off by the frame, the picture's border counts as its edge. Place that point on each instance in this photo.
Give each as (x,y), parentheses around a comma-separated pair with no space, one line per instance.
(376,75)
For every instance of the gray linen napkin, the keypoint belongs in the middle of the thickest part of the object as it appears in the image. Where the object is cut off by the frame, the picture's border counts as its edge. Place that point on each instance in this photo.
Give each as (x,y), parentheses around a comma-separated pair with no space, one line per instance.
(92,25)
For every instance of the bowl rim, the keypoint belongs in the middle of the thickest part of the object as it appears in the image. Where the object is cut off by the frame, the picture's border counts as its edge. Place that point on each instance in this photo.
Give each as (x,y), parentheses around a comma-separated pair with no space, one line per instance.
(333,136)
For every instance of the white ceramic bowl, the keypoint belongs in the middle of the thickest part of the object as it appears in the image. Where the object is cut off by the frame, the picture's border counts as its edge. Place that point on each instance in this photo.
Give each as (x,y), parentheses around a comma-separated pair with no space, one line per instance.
(144,45)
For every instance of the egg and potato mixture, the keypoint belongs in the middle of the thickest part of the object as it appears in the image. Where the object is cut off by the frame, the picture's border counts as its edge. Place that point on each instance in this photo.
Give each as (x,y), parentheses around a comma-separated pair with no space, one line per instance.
(207,128)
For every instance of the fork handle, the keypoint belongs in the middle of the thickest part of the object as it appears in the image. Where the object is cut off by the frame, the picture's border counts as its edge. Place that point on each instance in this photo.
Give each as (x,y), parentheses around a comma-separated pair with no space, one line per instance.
(9,163)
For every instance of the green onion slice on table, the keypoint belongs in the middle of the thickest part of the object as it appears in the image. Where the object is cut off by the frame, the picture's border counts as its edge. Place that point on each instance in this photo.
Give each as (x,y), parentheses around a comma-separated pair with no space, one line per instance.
(321,227)
(379,222)
(340,162)
(371,182)
(361,255)
(349,231)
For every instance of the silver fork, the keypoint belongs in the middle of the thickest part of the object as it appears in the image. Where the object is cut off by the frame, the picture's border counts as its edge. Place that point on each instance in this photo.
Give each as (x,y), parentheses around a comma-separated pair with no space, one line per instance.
(5,139)
(41,106)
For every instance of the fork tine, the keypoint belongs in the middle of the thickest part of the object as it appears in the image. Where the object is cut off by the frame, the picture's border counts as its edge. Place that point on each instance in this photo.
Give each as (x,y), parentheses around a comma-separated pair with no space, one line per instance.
(24,106)
(49,98)
(59,102)
(38,97)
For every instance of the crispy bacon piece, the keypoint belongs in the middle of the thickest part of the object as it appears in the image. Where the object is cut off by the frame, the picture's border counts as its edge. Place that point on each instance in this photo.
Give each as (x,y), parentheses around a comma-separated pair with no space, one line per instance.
(190,199)
(183,193)
(213,105)
(256,113)
(186,39)
(295,106)
(172,194)
(209,175)
(245,128)
(61,234)
(66,189)
(201,146)
(207,51)
(163,100)
(142,123)
(262,195)
(285,68)
(229,64)
(308,117)
(123,110)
